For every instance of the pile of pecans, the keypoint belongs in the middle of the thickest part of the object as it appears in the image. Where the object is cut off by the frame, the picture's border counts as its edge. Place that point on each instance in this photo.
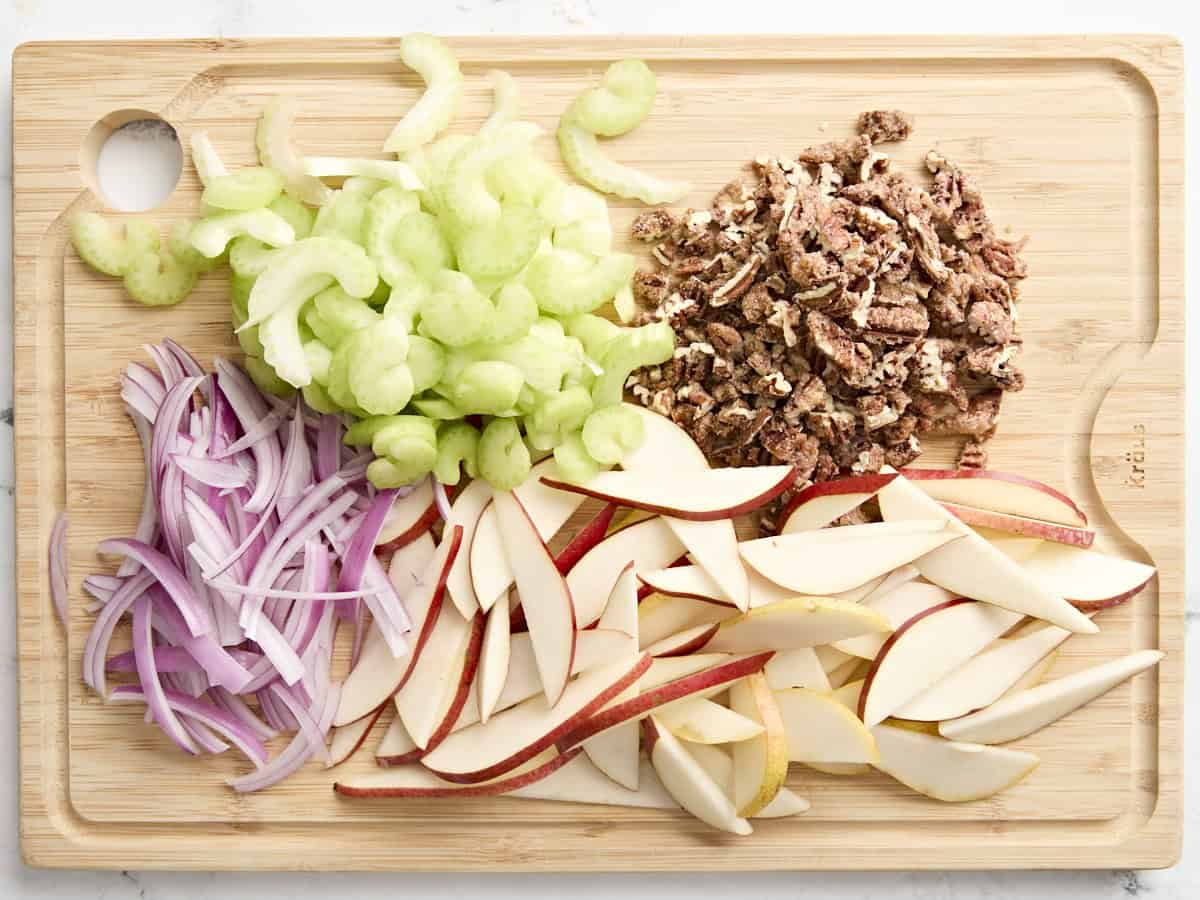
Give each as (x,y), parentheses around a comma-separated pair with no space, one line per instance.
(830,312)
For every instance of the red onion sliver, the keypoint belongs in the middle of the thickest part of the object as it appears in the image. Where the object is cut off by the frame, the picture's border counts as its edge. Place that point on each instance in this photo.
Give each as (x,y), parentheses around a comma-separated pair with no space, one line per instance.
(58,568)
(147,526)
(384,604)
(100,636)
(177,659)
(299,712)
(102,587)
(172,372)
(238,708)
(249,408)
(214,717)
(203,736)
(287,763)
(329,446)
(147,381)
(282,594)
(440,498)
(277,715)
(218,663)
(264,428)
(166,573)
(171,415)
(211,472)
(297,474)
(140,399)
(152,689)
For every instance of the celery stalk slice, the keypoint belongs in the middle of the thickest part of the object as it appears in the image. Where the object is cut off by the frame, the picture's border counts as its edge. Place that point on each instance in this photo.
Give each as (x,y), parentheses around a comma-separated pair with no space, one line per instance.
(435,110)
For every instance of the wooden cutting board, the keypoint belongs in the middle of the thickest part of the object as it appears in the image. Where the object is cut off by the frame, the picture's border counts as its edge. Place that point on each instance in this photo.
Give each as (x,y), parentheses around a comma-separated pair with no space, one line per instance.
(1076,142)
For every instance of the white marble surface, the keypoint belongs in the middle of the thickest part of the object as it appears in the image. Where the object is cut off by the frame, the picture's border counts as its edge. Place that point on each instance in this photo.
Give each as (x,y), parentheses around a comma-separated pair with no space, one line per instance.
(23,20)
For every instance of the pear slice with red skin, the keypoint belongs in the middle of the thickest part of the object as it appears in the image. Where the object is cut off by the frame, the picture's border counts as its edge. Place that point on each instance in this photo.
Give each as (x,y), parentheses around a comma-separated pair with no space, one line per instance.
(587,537)
(690,640)
(1088,579)
(1020,525)
(410,517)
(826,501)
(649,544)
(688,783)
(416,782)
(494,657)
(347,739)
(1004,492)
(466,511)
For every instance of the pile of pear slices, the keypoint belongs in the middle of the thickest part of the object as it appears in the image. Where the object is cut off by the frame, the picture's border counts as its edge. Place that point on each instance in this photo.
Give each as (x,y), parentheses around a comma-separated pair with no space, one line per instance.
(665,664)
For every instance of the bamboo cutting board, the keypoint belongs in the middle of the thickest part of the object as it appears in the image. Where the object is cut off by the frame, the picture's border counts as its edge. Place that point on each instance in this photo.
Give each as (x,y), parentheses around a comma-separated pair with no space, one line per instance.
(1077,142)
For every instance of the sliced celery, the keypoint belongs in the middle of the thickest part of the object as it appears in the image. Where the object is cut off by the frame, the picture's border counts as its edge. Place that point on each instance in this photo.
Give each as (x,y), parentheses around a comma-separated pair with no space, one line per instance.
(455,313)
(361,184)
(330,258)
(405,301)
(457,448)
(282,341)
(266,379)
(379,377)
(594,332)
(155,279)
(501,250)
(438,408)
(564,285)
(318,398)
(205,158)
(344,216)
(435,63)
(250,188)
(426,361)
(275,150)
(632,349)
(389,170)
(179,243)
(295,213)
(610,432)
(342,313)
(514,314)
(409,443)
(248,256)
(465,192)
(319,358)
(620,103)
(488,387)
(557,414)
(574,462)
(583,156)
(503,457)
(212,234)
(98,245)
(506,101)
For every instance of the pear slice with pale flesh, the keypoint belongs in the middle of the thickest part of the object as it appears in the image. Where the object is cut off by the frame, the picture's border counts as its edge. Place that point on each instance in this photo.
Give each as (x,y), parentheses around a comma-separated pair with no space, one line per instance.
(820,729)
(579,781)
(897,606)
(832,560)
(466,511)
(796,622)
(545,596)
(650,544)
(688,782)
(687,641)
(1035,675)
(701,721)
(925,649)
(494,657)
(661,615)
(346,739)
(1020,714)
(718,763)
(950,771)
(616,752)
(971,567)
(416,782)
(983,679)
(847,695)
(798,667)
(433,696)
(1090,580)
(397,746)
(760,763)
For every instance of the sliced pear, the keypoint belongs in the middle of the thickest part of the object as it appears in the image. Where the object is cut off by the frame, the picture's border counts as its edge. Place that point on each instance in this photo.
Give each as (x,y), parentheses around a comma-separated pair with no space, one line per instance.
(796,622)
(494,658)
(820,729)
(1029,711)
(579,781)
(798,667)
(661,615)
(701,721)
(950,771)
(650,544)
(687,641)
(688,782)
(897,606)
(760,763)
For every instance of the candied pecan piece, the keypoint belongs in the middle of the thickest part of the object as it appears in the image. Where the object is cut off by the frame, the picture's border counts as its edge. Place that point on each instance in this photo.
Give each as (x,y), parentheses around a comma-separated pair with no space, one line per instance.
(990,321)
(807,395)
(978,418)
(737,284)
(909,321)
(973,455)
(898,432)
(650,288)
(846,156)
(792,446)
(900,455)
(853,360)
(724,337)
(757,305)
(653,225)
(881,126)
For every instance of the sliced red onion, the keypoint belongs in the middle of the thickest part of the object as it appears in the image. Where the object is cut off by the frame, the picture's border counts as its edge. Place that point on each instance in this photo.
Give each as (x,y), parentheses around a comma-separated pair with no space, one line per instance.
(168,366)
(383,601)
(287,763)
(249,408)
(240,710)
(102,587)
(354,468)
(297,474)
(152,689)
(58,567)
(172,580)
(146,380)
(283,594)
(440,499)
(186,361)
(329,446)
(147,527)
(98,639)
(218,663)
(140,399)
(277,715)
(171,415)
(203,736)
(261,430)
(214,717)
(299,712)
(177,659)
(211,472)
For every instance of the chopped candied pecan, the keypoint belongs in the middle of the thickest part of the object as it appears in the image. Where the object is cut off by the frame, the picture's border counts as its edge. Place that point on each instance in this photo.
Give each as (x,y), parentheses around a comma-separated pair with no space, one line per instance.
(724,337)
(853,360)
(978,418)
(773,384)
(650,288)
(993,365)
(792,446)
(1001,257)
(856,516)
(900,455)
(722,370)
(898,432)
(653,225)
(737,284)
(806,396)
(845,156)
(882,126)
(910,321)
(990,321)
(974,454)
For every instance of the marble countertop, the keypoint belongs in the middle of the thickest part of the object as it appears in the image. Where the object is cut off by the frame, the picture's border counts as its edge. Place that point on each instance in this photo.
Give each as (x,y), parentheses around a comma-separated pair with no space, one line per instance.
(24,20)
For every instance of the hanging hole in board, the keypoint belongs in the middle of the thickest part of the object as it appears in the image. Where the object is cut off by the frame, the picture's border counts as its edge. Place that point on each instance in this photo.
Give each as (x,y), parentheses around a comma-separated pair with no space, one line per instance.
(132,160)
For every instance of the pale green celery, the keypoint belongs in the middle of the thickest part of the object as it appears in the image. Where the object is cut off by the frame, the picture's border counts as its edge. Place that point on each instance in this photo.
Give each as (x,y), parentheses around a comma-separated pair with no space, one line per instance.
(506,102)
(343,313)
(632,349)
(318,398)
(325,332)
(503,457)
(421,241)
(387,473)
(265,378)
(455,313)
(385,212)
(431,163)
(437,66)
(380,379)
(363,432)
(592,236)
(611,432)
(295,213)
(331,258)
(438,408)
(405,301)
(319,358)
(250,188)
(98,244)
(621,102)
(594,332)
(283,344)
(581,152)
(205,159)
(239,298)
(364,186)
(275,150)
(179,243)
(338,385)
(514,314)
(541,361)
(158,279)
(426,361)
(625,305)
(249,342)
(213,233)
(489,387)
(525,179)
(574,462)
(465,190)
(142,237)
(458,448)
(389,170)
(247,256)
(579,217)
(502,249)
(409,442)
(555,415)
(564,287)
(344,216)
